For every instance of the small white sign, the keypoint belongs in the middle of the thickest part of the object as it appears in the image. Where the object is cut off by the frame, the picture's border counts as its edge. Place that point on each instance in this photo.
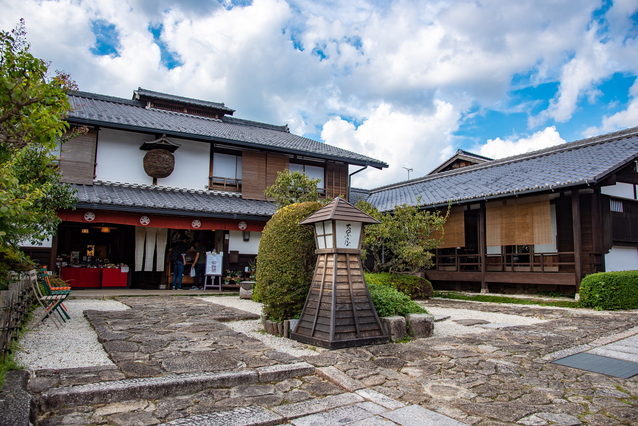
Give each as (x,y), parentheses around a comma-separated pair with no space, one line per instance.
(214,263)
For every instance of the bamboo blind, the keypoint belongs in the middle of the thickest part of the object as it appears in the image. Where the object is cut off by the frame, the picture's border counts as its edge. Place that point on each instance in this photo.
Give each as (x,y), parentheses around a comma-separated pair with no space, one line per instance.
(77,164)
(519,221)
(253,175)
(454,229)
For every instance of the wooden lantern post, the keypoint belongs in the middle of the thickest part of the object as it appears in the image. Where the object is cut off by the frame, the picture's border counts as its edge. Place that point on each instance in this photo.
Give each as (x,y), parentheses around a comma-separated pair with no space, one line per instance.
(339,312)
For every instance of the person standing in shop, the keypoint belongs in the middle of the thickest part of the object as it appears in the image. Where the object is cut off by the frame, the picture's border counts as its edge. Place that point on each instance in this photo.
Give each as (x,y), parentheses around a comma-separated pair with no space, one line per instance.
(199,264)
(178,257)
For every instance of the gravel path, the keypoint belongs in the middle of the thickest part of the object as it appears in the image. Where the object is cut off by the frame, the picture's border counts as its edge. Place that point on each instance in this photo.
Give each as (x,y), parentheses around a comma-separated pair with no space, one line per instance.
(73,345)
(449,328)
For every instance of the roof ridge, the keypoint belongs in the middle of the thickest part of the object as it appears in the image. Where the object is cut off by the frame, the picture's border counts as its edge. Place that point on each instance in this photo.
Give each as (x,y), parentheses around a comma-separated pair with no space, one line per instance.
(106,98)
(632,131)
(231,120)
(98,182)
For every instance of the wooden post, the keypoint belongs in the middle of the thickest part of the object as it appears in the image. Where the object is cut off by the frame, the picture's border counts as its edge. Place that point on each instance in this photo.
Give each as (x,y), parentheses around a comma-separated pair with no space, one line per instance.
(578,246)
(597,228)
(53,255)
(483,247)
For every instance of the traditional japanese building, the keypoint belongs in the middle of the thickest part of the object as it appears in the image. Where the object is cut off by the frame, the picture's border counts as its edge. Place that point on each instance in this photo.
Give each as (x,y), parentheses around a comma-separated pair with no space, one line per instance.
(158,166)
(537,221)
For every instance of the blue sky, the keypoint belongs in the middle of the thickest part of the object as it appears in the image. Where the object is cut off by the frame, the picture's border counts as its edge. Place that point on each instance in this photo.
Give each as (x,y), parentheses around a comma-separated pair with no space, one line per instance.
(405,81)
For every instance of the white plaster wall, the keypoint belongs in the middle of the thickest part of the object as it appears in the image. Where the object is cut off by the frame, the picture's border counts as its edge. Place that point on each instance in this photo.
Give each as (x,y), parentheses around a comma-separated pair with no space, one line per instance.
(237,242)
(621,190)
(621,259)
(192,165)
(119,157)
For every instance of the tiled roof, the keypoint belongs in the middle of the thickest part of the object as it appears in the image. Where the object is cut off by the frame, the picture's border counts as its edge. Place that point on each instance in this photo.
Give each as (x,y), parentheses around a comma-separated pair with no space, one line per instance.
(132,115)
(357,194)
(461,155)
(181,99)
(170,200)
(577,163)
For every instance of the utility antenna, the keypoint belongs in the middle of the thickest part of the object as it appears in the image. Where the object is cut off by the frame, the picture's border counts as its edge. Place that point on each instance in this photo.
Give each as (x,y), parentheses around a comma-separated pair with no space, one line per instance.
(409,170)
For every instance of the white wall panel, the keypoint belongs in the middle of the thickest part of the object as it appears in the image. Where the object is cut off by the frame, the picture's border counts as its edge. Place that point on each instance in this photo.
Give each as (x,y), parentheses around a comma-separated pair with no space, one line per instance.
(237,243)
(621,259)
(621,190)
(192,164)
(119,157)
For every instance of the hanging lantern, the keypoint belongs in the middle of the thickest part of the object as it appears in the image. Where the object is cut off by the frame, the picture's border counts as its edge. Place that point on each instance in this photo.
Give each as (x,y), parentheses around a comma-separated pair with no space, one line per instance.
(339,312)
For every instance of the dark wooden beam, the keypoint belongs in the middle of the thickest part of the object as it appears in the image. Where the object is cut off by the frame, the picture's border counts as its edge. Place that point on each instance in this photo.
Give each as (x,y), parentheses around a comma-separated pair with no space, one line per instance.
(627,178)
(611,180)
(578,243)
(54,253)
(483,247)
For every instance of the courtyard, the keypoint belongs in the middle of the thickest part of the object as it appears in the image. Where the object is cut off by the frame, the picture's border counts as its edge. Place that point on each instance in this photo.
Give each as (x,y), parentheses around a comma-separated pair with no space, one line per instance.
(203,360)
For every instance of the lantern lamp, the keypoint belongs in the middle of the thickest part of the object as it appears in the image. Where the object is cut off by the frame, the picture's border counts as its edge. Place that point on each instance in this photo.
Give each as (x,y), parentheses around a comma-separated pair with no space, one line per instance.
(339,312)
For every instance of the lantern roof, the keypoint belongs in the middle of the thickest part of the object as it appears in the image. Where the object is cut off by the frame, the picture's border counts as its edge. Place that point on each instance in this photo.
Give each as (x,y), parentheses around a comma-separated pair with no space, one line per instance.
(339,209)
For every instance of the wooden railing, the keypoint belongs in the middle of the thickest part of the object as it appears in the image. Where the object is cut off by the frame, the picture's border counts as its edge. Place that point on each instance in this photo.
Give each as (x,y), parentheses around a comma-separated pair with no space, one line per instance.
(518,262)
(15,303)
(224,184)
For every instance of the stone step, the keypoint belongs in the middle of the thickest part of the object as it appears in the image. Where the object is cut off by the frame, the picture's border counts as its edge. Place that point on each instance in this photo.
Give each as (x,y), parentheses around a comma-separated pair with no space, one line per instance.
(161,387)
(247,416)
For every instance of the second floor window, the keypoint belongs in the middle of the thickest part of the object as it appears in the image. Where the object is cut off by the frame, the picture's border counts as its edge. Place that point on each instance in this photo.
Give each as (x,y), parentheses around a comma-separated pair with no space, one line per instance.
(313,172)
(226,172)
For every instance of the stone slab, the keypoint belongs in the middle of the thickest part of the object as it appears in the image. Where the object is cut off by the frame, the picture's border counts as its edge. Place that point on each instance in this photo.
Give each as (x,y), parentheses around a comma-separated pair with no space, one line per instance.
(280,372)
(341,415)
(245,416)
(145,388)
(394,327)
(438,318)
(614,338)
(622,348)
(380,399)
(339,378)
(373,421)
(566,352)
(305,408)
(611,353)
(17,406)
(421,325)
(468,322)
(561,419)
(496,325)
(415,415)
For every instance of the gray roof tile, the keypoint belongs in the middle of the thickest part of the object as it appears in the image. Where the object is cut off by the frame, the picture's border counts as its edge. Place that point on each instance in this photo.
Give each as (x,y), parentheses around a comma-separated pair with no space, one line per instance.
(113,112)
(576,163)
(171,200)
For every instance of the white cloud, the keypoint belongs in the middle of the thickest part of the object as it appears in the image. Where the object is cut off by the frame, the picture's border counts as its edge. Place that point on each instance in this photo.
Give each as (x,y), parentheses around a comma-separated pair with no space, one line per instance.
(408,70)
(620,120)
(499,148)
(399,139)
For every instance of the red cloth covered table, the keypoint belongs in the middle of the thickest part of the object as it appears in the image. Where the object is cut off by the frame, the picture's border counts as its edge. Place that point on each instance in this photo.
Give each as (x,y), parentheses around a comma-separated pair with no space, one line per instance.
(82,277)
(114,277)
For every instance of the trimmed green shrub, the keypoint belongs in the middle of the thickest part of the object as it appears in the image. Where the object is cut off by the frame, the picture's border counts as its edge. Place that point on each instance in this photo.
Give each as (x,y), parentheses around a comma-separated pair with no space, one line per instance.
(610,290)
(389,301)
(286,262)
(410,285)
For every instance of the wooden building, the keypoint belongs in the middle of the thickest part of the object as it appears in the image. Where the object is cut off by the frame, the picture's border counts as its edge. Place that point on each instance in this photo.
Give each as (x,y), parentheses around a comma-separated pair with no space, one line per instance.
(537,221)
(159,166)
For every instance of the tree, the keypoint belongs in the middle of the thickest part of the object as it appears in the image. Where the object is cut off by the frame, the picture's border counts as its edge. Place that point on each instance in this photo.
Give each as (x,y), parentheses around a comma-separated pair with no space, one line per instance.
(293,187)
(286,261)
(33,107)
(404,240)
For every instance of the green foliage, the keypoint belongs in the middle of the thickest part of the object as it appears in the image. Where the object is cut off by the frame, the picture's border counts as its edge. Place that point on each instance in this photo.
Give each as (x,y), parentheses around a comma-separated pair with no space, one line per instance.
(295,187)
(404,237)
(610,290)
(286,261)
(505,299)
(33,107)
(12,259)
(410,285)
(389,301)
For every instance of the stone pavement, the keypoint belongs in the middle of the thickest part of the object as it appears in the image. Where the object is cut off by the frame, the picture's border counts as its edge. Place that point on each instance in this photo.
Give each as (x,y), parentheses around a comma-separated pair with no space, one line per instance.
(177,363)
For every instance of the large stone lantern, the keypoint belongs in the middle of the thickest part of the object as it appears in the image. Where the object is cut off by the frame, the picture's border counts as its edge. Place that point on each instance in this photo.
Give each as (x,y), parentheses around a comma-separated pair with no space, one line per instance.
(339,312)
